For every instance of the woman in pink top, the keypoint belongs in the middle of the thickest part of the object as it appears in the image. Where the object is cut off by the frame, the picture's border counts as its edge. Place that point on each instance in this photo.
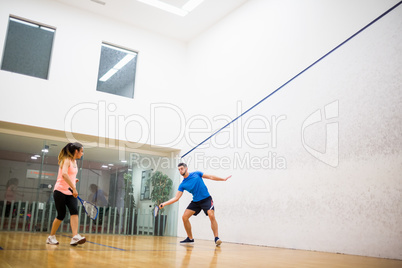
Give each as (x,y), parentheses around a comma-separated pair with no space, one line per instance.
(67,178)
(11,195)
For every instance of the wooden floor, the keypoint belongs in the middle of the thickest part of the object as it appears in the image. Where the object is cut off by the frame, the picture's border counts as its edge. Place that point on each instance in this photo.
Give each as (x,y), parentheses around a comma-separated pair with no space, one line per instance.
(30,250)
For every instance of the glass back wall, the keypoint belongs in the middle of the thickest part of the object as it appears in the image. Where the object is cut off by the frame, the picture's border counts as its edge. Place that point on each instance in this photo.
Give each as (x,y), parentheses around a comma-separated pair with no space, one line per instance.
(28,172)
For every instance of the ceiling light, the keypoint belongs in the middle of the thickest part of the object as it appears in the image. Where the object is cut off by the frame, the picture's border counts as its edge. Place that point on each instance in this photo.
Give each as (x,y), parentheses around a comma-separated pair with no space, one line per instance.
(45,149)
(25,22)
(99,2)
(124,61)
(107,75)
(34,157)
(165,7)
(47,29)
(104,166)
(191,4)
(117,67)
(124,161)
(118,49)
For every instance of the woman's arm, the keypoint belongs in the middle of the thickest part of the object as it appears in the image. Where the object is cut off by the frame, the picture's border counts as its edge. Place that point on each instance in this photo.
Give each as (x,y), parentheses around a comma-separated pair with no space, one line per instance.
(66,177)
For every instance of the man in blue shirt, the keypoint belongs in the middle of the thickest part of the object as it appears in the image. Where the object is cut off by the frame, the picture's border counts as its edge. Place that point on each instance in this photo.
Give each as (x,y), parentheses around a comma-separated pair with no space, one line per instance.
(202,200)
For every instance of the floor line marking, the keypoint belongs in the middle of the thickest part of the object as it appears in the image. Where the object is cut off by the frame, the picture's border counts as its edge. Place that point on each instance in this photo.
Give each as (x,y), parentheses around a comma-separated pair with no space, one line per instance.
(99,244)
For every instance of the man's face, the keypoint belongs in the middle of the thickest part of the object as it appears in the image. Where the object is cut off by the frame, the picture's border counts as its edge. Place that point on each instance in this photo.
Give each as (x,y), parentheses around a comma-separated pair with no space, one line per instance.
(182,170)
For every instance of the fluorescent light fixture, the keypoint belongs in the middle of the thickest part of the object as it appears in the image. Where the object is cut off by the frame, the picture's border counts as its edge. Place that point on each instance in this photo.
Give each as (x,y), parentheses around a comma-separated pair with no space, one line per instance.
(34,157)
(25,22)
(99,2)
(104,166)
(33,25)
(191,4)
(165,7)
(124,161)
(124,61)
(37,155)
(47,29)
(45,150)
(119,49)
(107,75)
(118,66)
(111,165)
(183,11)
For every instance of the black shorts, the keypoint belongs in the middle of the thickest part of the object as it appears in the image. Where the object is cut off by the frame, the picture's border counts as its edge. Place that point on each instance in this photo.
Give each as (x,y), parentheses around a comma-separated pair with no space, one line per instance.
(204,204)
(61,201)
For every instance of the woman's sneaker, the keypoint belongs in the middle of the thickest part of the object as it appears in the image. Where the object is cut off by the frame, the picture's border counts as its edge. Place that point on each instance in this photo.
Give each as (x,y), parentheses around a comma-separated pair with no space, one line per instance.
(52,240)
(218,242)
(187,241)
(77,239)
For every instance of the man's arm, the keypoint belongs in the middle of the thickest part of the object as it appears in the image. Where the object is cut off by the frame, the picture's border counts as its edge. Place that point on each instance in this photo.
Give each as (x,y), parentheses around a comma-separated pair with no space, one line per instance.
(173,200)
(215,178)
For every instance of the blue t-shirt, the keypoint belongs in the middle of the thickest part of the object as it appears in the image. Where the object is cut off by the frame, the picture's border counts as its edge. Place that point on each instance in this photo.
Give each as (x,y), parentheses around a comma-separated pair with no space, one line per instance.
(195,185)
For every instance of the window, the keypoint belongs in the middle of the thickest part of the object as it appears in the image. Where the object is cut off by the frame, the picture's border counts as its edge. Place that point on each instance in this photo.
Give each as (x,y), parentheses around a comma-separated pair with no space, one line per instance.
(28,48)
(117,71)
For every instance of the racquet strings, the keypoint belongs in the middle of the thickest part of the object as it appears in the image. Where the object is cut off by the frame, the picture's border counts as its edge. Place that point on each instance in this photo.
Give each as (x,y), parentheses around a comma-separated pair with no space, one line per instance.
(156,210)
(91,210)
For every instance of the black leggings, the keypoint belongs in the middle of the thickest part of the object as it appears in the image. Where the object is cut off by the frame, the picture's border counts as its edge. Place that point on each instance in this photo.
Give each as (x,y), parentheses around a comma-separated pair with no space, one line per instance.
(61,201)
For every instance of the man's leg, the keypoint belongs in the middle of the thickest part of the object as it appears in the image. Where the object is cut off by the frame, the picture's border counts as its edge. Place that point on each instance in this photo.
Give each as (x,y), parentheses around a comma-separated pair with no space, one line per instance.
(214,224)
(186,221)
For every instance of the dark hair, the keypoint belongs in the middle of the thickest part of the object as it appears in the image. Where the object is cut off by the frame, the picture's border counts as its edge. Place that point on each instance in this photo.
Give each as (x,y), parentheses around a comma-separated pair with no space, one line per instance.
(68,151)
(93,187)
(182,165)
(12,181)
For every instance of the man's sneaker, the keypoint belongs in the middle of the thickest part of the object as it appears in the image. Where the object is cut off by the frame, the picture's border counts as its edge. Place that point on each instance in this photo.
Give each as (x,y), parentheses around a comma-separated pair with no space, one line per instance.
(77,239)
(52,240)
(187,241)
(218,242)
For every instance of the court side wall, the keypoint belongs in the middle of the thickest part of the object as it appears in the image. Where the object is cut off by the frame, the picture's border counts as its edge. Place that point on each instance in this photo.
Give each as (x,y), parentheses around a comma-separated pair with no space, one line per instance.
(68,100)
(317,166)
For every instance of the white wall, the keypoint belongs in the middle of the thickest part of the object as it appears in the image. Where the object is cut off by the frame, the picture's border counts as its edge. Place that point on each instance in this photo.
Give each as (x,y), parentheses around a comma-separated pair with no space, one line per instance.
(71,88)
(301,202)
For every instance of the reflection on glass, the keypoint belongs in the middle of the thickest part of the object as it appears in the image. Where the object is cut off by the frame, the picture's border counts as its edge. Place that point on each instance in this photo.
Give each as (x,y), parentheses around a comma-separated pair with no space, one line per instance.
(28,172)
(146,185)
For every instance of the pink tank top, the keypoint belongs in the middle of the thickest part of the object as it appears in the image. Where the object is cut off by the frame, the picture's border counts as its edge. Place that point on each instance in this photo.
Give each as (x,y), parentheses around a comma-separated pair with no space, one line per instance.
(61,185)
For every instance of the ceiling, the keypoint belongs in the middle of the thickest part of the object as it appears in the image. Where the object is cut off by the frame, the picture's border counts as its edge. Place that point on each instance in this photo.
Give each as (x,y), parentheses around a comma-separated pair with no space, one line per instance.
(156,20)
